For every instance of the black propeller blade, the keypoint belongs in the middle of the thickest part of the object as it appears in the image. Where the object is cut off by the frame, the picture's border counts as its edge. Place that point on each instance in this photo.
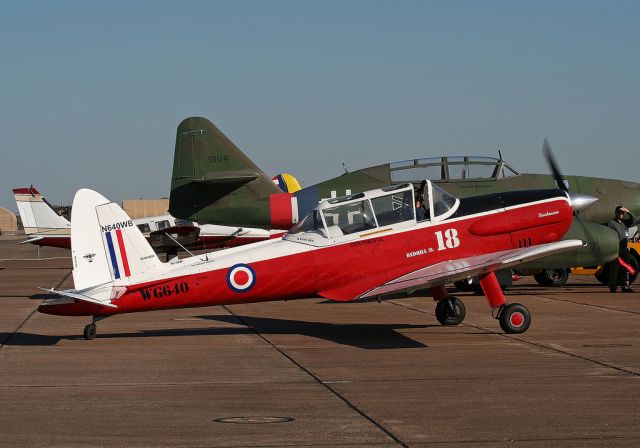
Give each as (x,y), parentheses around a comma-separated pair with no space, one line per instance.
(562,185)
(553,166)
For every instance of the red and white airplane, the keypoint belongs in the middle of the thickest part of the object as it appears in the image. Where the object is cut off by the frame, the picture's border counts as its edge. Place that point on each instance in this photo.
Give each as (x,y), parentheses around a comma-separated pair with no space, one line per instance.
(365,245)
(44,227)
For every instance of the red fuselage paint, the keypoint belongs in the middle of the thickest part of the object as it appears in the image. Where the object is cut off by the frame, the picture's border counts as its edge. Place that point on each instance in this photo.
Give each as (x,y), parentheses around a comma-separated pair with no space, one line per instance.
(377,257)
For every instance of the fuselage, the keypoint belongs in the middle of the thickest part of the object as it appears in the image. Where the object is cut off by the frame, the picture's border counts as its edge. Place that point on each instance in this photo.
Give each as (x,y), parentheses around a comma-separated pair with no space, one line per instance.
(345,266)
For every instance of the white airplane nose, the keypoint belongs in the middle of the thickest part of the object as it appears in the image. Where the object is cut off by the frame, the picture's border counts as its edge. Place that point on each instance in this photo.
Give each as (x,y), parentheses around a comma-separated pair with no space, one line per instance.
(580,201)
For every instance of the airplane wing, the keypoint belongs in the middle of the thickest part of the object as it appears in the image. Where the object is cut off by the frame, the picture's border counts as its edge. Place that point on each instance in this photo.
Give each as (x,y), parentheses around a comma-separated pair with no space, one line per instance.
(452,270)
(81,297)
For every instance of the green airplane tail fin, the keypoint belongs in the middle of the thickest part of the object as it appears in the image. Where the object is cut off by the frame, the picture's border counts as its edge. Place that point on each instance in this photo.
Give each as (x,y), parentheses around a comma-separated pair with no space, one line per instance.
(211,173)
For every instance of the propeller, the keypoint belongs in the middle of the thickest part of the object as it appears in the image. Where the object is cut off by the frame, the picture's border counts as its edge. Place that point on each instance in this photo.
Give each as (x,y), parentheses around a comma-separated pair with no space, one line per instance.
(578,201)
(553,166)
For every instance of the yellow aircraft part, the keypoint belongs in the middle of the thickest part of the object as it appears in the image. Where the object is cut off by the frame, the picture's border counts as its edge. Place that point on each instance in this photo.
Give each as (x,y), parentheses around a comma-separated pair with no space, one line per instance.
(287,183)
(585,271)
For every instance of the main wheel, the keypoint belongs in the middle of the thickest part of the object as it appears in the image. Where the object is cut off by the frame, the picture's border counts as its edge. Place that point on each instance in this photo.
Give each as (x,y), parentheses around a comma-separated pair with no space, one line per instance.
(90,332)
(515,318)
(552,277)
(450,311)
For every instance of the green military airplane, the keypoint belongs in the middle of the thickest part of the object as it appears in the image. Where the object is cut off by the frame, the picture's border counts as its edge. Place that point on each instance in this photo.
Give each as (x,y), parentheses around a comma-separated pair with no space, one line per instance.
(213,181)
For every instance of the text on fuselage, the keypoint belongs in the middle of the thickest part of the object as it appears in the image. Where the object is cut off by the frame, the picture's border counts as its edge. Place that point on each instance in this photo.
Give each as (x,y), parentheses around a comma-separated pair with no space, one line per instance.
(158,292)
(117,225)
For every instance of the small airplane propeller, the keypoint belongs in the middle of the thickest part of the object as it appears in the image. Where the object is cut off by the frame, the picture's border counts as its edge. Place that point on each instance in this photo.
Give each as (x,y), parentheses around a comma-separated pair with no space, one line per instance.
(578,201)
(553,166)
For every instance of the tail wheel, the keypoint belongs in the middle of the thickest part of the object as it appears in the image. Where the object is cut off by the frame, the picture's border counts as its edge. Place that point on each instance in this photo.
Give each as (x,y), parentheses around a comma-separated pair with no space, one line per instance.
(515,318)
(90,332)
(450,311)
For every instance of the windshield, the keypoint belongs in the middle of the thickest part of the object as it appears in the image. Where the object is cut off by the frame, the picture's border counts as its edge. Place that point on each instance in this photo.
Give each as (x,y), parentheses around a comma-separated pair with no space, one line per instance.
(394,208)
(442,201)
(309,223)
(350,218)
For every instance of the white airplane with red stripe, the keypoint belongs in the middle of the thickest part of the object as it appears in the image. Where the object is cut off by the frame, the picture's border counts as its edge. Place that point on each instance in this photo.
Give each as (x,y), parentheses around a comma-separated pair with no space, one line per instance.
(366,245)
(44,227)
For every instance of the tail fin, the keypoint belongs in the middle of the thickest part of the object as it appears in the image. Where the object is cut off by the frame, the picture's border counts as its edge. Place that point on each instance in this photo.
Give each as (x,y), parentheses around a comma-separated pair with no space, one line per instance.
(106,245)
(37,215)
(214,182)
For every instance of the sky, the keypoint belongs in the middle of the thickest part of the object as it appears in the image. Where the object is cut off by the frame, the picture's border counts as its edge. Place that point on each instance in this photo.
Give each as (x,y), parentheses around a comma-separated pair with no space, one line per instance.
(91,93)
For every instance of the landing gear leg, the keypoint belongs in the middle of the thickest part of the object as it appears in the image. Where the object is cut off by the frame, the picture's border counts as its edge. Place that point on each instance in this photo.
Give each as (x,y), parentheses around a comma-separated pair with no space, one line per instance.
(90,330)
(514,318)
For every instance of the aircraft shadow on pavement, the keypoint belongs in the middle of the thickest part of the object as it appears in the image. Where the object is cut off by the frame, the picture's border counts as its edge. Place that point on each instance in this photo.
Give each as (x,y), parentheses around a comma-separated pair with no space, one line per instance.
(26,339)
(367,336)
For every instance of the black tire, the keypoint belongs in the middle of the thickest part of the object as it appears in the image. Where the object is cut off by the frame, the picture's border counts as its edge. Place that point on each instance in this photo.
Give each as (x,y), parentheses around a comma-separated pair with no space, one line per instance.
(90,332)
(450,311)
(515,318)
(552,277)
(541,279)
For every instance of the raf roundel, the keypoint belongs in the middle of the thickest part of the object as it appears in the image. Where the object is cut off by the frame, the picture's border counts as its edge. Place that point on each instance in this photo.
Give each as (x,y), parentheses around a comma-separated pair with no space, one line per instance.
(241,277)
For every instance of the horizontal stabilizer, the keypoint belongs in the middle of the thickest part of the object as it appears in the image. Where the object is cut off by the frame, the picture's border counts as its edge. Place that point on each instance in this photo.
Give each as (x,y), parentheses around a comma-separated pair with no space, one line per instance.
(81,297)
(32,240)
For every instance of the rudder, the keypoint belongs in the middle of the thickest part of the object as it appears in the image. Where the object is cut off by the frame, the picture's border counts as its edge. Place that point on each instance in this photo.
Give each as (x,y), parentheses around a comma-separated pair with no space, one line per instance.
(106,245)
(214,182)
(37,215)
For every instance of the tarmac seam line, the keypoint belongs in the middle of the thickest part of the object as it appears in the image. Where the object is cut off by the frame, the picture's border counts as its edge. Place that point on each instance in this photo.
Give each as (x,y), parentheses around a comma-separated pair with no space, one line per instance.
(587,304)
(321,383)
(133,385)
(543,439)
(535,344)
(8,339)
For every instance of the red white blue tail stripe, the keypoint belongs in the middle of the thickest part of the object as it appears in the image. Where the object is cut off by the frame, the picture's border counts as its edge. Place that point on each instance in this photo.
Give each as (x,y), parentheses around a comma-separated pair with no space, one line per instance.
(117,254)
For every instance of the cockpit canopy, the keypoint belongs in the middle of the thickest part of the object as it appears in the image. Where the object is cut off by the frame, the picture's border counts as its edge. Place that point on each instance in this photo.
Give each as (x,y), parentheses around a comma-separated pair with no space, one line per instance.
(451,169)
(358,215)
